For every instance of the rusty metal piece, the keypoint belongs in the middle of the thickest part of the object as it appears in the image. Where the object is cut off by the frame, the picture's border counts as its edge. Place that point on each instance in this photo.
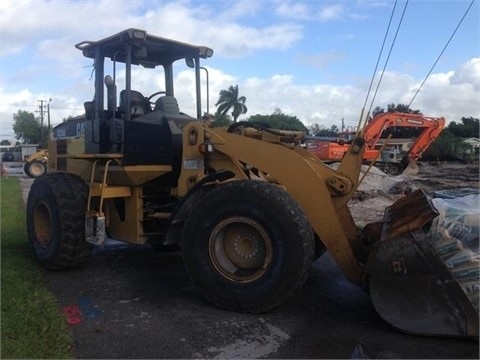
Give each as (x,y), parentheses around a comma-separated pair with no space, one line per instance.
(407,214)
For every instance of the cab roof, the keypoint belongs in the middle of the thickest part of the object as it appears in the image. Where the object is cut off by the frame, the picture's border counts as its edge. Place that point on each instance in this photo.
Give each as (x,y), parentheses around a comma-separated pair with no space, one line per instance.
(147,50)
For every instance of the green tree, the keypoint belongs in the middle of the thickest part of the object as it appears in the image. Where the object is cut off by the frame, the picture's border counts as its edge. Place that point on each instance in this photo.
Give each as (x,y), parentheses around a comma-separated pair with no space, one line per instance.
(279,120)
(221,120)
(446,147)
(28,129)
(332,132)
(469,127)
(394,108)
(229,99)
(450,145)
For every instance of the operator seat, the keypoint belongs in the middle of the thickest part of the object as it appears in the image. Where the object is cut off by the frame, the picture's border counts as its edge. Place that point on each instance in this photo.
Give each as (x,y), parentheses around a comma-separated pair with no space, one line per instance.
(168,105)
(139,104)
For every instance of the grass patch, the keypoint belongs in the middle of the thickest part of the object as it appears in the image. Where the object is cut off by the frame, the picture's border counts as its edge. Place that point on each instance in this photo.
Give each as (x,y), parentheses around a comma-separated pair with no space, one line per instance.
(32,324)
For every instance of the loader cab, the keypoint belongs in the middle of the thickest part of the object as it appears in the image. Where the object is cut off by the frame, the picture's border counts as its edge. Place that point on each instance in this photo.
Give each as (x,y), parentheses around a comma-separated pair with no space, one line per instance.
(134,110)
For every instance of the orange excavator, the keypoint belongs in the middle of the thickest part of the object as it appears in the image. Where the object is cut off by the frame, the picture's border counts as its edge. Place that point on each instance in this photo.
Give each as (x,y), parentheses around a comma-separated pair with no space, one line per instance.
(392,160)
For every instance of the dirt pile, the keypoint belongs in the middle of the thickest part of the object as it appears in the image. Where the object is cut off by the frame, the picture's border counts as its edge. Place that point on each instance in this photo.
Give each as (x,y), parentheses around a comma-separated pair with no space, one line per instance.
(379,190)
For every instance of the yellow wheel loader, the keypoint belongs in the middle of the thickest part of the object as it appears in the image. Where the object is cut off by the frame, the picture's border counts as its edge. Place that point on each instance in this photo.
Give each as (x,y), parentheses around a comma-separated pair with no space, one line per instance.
(249,208)
(36,164)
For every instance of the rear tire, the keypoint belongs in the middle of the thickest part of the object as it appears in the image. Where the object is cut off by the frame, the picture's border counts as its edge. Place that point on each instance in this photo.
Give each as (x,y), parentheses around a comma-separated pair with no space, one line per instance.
(35,169)
(248,246)
(56,221)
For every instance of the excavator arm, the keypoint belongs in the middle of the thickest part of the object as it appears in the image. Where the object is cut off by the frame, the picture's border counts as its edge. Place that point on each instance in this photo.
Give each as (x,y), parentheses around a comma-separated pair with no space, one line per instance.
(428,135)
(431,128)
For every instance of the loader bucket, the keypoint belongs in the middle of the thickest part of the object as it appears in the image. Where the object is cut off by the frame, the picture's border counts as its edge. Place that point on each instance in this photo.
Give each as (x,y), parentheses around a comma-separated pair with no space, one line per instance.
(411,168)
(410,286)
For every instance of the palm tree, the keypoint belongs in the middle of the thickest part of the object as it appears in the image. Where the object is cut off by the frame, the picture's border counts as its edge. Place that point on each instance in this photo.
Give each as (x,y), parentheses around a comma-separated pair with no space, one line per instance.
(229,99)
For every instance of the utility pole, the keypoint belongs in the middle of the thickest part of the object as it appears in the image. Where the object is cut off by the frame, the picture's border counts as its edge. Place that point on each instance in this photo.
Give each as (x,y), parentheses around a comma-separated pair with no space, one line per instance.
(41,106)
(48,113)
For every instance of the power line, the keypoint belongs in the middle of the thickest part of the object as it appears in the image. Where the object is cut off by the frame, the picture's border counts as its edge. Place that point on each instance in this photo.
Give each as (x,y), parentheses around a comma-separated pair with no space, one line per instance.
(441,53)
(388,56)
(380,53)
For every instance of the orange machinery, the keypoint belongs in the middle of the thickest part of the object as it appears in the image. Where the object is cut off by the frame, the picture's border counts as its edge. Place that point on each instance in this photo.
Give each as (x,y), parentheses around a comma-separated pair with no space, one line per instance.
(431,127)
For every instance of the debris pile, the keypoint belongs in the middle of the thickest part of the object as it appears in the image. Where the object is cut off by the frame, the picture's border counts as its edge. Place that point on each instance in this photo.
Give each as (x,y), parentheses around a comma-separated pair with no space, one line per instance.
(378,182)
(454,235)
(379,190)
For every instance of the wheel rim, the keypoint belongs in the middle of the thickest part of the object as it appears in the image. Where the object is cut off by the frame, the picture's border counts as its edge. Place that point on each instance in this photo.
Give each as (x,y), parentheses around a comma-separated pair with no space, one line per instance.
(42,220)
(36,169)
(240,249)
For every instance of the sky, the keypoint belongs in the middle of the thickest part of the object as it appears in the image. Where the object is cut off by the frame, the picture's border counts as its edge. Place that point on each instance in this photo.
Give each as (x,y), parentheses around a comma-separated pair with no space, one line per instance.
(313,59)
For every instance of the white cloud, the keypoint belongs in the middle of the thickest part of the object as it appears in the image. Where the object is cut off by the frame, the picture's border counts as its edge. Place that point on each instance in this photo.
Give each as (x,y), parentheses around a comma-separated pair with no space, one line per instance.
(299,11)
(330,12)
(45,31)
(238,9)
(454,94)
(248,39)
(24,21)
(323,103)
(327,104)
(311,11)
(442,95)
(61,107)
(59,24)
(468,73)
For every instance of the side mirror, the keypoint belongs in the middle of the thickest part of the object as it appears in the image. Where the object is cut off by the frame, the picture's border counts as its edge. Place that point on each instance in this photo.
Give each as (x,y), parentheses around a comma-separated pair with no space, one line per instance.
(108,81)
(189,62)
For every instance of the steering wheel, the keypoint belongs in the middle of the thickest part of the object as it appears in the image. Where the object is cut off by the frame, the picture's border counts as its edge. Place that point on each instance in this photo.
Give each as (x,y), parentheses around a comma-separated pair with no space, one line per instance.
(156,94)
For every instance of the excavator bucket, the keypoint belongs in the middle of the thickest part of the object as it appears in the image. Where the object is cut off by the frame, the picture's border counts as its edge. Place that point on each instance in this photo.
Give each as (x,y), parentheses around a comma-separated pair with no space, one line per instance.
(411,168)
(409,283)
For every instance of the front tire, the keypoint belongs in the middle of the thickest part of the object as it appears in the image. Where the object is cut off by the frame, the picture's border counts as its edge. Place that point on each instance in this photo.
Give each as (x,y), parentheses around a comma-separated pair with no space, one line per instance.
(56,221)
(248,246)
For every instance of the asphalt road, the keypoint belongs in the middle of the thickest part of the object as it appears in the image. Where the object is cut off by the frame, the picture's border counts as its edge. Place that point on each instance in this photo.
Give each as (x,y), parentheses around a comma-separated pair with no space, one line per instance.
(134,302)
